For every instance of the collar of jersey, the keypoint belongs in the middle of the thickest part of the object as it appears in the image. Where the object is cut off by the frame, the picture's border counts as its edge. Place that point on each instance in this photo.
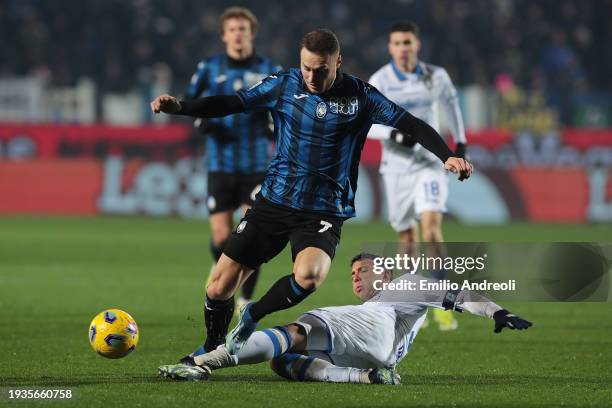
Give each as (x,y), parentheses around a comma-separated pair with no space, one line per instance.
(401,76)
(234,63)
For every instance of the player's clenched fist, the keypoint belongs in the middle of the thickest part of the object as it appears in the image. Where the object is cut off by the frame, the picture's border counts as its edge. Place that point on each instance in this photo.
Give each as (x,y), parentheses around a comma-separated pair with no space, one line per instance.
(459,166)
(166,104)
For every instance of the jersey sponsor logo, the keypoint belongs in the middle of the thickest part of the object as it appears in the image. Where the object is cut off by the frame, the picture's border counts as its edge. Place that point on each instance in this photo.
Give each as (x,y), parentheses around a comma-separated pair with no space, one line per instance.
(344,105)
(241,227)
(220,78)
(321,110)
(300,96)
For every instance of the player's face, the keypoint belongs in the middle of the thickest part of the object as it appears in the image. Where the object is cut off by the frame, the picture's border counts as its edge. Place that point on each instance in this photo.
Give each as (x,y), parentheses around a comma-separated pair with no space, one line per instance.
(319,71)
(404,47)
(237,34)
(363,277)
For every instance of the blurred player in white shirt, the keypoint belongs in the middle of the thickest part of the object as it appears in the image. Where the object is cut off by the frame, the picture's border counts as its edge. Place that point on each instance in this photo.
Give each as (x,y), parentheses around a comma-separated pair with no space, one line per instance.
(416,185)
(357,343)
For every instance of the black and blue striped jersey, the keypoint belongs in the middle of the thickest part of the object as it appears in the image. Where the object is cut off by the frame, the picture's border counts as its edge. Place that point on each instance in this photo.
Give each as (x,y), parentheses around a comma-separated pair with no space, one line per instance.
(236,143)
(318,138)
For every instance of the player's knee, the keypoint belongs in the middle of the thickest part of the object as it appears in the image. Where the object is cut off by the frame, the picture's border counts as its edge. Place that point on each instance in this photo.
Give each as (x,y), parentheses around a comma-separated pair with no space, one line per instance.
(224,279)
(310,277)
(297,333)
(215,290)
(432,232)
(431,225)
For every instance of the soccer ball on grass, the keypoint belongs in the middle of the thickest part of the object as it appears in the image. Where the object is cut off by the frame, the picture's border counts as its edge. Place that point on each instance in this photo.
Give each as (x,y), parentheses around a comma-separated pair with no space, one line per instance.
(113,333)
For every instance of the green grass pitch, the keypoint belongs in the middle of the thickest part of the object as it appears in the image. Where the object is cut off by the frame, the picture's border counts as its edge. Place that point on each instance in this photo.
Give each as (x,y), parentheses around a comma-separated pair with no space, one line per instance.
(57,273)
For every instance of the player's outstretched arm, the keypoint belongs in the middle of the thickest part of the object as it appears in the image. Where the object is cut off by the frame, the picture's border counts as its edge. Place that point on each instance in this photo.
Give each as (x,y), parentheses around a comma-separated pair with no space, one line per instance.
(480,305)
(432,141)
(208,107)
(458,300)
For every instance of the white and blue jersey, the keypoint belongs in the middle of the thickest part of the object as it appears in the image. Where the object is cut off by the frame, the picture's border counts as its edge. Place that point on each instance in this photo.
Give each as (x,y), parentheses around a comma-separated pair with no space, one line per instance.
(422,92)
(318,139)
(236,143)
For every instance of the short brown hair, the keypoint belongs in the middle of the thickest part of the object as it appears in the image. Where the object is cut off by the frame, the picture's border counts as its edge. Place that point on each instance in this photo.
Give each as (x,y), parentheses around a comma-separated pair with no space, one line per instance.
(363,256)
(321,41)
(238,12)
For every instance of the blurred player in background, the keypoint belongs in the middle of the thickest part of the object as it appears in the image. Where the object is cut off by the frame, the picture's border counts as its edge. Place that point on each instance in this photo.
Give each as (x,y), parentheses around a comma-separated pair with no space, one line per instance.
(238,147)
(416,186)
(321,118)
(357,343)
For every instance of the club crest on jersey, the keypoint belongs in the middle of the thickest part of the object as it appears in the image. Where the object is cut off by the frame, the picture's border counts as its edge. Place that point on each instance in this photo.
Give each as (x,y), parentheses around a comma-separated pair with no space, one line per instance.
(241,227)
(344,105)
(321,110)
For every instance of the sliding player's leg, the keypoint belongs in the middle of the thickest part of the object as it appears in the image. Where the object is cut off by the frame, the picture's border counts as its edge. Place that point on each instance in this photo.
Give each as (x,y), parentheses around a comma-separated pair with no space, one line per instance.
(330,357)
(317,366)
(261,346)
(307,333)
(310,359)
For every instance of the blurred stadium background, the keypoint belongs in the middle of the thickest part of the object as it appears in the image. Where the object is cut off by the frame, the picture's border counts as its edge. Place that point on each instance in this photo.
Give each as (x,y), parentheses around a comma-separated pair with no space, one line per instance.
(77,135)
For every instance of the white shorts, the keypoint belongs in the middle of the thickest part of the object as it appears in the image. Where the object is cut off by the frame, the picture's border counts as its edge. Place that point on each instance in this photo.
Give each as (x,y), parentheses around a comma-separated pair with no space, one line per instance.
(349,336)
(409,195)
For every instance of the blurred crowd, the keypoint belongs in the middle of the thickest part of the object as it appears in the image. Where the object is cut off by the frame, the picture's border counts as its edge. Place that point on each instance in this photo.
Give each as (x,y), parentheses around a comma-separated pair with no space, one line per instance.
(555,45)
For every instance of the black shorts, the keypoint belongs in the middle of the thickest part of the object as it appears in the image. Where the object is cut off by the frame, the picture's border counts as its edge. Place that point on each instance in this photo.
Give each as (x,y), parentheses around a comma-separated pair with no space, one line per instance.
(228,191)
(266,229)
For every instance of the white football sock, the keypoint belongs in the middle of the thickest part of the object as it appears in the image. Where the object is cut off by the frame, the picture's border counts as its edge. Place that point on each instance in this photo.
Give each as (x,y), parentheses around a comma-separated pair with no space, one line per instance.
(305,368)
(264,346)
(321,370)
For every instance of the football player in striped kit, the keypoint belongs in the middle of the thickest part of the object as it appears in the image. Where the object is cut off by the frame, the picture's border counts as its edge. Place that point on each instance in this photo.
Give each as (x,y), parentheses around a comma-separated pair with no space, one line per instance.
(239,146)
(321,120)
(416,187)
